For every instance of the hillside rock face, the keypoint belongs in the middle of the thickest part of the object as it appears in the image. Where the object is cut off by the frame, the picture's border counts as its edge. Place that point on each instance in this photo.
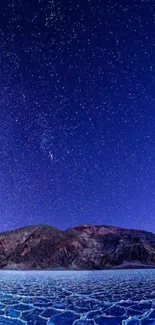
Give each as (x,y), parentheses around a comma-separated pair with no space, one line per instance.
(82,247)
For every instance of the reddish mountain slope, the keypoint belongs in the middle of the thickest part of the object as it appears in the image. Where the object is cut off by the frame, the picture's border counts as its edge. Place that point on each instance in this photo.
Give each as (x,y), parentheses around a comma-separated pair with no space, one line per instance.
(82,247)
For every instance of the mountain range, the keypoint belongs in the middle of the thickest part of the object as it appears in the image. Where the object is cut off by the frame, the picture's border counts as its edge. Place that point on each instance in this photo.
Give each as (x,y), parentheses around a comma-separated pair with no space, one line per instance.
(90,247)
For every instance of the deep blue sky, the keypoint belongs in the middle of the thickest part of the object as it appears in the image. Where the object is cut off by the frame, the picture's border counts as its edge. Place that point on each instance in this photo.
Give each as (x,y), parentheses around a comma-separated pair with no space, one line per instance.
(77,113)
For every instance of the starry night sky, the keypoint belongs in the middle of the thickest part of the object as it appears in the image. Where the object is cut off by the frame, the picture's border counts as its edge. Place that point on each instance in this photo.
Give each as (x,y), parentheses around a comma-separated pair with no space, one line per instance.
(77,113)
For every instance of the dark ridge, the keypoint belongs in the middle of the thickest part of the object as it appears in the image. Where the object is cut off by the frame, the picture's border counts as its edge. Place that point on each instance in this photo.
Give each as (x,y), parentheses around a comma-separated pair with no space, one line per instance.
(82,247)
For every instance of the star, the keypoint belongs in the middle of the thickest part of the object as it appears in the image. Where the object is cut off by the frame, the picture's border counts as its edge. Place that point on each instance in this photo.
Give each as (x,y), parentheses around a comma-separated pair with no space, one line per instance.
(51,155)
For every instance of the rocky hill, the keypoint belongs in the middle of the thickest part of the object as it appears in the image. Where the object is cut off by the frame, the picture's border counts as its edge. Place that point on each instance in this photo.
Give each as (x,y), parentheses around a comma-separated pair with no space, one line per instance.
(82,247)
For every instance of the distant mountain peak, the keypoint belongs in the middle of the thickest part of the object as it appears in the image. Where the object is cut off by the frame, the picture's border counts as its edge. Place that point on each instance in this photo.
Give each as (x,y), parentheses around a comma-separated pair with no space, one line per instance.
(83,247)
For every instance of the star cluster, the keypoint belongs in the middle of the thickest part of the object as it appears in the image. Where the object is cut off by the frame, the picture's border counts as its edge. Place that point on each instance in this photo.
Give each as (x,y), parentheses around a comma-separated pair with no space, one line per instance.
(77,113)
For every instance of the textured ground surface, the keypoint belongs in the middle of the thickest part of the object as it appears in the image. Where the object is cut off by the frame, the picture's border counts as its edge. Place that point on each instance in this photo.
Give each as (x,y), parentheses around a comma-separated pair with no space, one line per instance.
(76,297)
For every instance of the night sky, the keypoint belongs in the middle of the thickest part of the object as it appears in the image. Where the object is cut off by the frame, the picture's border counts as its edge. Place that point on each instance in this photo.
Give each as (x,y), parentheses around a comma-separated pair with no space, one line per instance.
(77,113)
